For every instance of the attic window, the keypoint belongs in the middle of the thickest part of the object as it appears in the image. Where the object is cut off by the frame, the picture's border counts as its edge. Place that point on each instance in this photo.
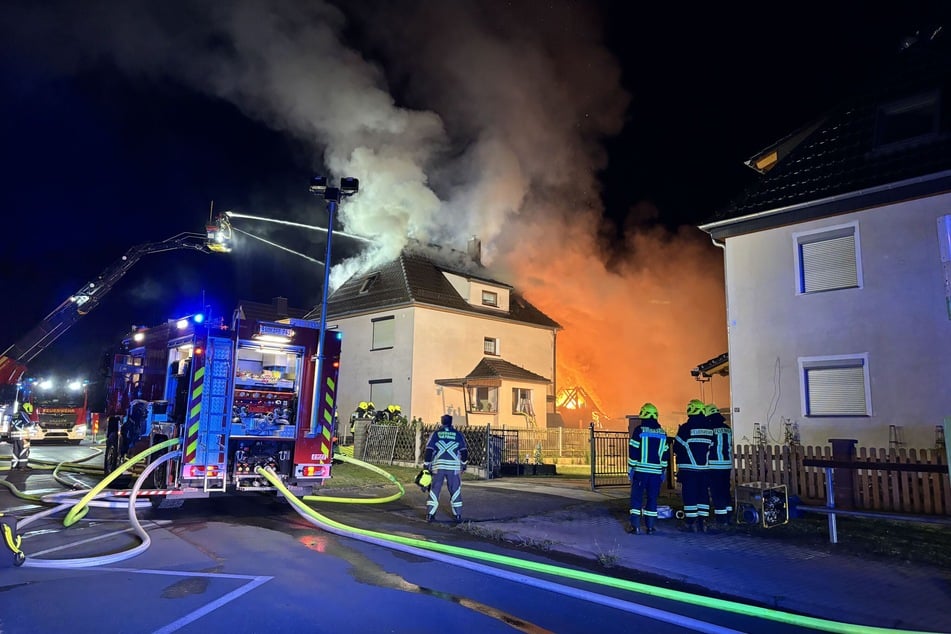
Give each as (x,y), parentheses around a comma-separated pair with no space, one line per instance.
(490,298)
(369,282)
(915,118)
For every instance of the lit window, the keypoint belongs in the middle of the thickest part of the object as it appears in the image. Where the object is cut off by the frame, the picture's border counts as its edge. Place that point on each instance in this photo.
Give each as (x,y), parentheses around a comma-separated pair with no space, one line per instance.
(491,346)
(490,298)
(835,385)
(483,399)
(383,332)
(828,259)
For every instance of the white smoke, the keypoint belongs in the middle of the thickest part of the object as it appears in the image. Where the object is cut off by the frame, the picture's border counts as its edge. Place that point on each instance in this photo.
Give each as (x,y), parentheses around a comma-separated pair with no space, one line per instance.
(527,99)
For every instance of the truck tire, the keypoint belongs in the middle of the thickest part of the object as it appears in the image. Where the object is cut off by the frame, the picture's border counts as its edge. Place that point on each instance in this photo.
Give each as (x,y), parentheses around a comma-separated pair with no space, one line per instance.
(110,459)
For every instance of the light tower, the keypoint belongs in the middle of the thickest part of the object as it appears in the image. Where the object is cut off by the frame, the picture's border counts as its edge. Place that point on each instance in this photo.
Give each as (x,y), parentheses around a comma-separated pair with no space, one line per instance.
(333,196)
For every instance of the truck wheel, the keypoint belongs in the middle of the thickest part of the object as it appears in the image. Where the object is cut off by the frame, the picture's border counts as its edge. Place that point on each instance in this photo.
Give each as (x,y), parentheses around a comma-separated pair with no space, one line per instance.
(110,459)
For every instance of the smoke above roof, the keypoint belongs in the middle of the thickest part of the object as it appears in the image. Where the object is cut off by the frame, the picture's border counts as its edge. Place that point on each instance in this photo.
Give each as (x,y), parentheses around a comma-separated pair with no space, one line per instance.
(464,118)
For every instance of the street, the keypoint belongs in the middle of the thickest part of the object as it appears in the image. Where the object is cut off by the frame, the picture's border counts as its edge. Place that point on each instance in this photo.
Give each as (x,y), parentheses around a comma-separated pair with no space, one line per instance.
(252,564)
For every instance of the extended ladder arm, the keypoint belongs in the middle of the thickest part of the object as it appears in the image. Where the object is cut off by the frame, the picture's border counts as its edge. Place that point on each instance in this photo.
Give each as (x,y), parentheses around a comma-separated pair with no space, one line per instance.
(14,359)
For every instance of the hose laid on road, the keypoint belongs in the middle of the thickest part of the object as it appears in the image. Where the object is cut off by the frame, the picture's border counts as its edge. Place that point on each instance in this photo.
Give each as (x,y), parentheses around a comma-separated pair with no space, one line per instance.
(101,560)
(433,550)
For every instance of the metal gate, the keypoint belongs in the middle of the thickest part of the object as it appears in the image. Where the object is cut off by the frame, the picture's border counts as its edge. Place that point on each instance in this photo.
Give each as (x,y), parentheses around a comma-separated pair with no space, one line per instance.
(609,458)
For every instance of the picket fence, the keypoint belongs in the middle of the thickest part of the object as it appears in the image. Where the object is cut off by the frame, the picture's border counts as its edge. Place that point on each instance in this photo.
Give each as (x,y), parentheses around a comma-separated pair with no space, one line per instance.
(876,489)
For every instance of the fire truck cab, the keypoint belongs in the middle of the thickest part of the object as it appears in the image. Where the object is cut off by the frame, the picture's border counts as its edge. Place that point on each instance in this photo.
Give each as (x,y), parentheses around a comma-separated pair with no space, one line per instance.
(238,397)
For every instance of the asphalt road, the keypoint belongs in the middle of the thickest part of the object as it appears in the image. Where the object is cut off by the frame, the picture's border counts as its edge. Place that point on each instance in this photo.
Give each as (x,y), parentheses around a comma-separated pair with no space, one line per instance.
(251,564)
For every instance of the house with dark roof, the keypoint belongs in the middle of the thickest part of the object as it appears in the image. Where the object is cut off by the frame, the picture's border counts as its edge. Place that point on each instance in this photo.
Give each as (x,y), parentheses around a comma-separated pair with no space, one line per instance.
(838,268)
(436,334)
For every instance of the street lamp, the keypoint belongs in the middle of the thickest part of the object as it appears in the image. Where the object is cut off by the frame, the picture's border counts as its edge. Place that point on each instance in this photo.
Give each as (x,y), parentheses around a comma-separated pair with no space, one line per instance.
(333,195)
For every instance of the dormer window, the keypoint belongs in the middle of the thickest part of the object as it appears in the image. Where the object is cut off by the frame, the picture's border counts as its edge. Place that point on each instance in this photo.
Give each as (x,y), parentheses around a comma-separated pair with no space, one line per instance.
(490,298)
(912,119)
(369,282)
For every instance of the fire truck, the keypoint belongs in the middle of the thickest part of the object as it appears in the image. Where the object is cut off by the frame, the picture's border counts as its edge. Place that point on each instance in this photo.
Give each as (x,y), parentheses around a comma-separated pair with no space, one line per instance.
(237,396)
(59,409)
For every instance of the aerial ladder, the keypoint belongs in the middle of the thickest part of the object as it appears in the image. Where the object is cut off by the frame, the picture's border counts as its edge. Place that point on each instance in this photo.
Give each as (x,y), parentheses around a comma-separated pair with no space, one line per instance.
(13,362)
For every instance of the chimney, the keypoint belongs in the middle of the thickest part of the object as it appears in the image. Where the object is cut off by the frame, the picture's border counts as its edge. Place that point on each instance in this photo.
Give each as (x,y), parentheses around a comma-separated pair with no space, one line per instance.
(475,250)
(280,306)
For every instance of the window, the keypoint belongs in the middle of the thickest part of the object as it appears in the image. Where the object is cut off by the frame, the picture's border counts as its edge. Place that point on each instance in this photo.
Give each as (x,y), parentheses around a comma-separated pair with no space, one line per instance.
(381,393)
(828,259)
(490,298)
(483,399)
(369,282)
(491,346)
(835,385)
(383,329)
(915,118)
(522,402)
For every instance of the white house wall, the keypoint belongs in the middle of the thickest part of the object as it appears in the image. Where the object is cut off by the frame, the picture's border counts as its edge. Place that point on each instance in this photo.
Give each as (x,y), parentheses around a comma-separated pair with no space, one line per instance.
(450,345)
(431,344)
(898,318)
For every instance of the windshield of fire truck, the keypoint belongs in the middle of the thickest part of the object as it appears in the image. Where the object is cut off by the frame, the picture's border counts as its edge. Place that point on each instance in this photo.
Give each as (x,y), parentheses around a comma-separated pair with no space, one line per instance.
(70,394)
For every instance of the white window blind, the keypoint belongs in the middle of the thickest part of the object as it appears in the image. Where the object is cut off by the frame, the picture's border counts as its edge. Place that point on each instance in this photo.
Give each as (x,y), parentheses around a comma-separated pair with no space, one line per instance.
(836,388)
(828,264)
(383,332)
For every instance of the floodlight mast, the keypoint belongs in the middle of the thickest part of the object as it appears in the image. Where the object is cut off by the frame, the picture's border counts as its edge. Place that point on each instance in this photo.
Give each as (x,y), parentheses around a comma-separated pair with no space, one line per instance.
(333,195)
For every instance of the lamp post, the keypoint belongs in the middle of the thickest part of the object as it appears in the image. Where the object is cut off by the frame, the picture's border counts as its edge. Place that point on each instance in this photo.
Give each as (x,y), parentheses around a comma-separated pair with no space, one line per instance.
(333,196)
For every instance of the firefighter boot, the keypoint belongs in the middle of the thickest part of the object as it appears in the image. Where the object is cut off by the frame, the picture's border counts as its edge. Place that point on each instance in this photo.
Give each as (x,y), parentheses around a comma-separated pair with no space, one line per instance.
(700,527)
(650,525)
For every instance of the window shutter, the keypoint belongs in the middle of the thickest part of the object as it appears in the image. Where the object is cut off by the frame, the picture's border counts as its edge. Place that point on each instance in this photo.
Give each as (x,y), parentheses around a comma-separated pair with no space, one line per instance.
(383,332)
(837,391)
(829,264)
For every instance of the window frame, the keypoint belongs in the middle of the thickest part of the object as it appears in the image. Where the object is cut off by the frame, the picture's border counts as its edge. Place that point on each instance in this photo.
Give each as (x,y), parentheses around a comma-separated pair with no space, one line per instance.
(474,400)
(490,298)
(373,332)
(840,361)
(516,399)
(825,234)
(378,404)
(495,351)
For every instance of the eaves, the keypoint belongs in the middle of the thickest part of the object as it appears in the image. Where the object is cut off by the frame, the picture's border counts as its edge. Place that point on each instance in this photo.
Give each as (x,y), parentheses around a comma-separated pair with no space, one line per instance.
(918,187)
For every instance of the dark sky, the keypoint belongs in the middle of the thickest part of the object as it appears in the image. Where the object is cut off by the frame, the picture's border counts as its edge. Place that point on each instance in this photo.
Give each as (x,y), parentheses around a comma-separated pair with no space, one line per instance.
(121,123)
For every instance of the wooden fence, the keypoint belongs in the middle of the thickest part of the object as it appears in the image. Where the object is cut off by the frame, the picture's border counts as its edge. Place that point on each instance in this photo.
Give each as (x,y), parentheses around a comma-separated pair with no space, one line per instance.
(925,492)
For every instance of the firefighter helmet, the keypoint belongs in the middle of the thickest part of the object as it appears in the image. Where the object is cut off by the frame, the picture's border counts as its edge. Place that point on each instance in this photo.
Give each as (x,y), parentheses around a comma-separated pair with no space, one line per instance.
(648,410)
(370,405)
(695,406)
(362,405)
(424,479)
(709,409)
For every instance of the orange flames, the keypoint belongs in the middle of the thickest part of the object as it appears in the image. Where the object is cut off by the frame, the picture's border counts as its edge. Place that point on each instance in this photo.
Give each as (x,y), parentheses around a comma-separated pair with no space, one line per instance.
(635,322)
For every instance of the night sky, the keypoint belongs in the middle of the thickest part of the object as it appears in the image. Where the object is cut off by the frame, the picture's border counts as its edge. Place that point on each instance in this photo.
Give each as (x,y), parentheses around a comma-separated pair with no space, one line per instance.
(121,123)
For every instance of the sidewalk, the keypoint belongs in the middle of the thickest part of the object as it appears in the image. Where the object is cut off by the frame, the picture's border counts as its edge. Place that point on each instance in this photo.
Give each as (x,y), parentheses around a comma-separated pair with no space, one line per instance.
(786,577)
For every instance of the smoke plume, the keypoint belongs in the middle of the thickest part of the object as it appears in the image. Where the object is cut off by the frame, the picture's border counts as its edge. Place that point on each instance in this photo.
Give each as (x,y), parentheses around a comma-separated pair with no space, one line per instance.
(460,118)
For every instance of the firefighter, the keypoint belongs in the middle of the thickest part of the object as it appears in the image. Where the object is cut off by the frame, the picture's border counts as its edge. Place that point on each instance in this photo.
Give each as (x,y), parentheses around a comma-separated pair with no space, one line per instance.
(720,464)
(360,412)
(447,457)
(648,454)
(691,450)
(20,437)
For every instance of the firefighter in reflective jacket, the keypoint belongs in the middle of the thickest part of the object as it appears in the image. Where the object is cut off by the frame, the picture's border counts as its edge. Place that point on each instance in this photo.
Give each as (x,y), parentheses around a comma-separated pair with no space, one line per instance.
(20,437)
(447,456)
(648,454)
(692,451)
(720,464)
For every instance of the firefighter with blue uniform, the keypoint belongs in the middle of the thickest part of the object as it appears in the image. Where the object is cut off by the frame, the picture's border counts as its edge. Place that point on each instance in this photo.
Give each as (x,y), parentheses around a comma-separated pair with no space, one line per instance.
(720,465)
(648,454)
(691,451)
(20,437)
(447,456)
